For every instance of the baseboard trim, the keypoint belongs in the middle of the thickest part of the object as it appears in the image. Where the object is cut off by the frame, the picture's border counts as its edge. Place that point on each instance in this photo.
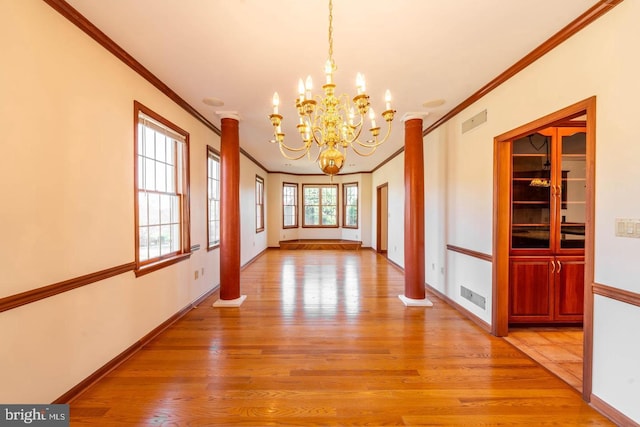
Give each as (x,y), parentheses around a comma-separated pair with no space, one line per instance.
(612,413)
(394,264)
(475,319)
(81,387)
(246,264)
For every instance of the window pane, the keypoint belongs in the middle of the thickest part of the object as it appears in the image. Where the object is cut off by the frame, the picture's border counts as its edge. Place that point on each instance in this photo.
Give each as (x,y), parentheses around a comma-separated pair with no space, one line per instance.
(161,149)
(150,174)
(311,196)
(175,238)
(329,215)
(154,208)
(140,139)
(141,172)
(142,208)
(175,209)
(171,179)
(154,242)
(351,216)
(161,182)
(165,239)
(143,243)
(312,215)
(165,209)
(171,151)
(149,142)
(329,196)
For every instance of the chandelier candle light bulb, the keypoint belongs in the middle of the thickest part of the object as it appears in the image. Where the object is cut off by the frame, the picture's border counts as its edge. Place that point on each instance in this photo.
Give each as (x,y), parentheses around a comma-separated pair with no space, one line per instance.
(309,86)
(330,120)
(372,117)
(328,71)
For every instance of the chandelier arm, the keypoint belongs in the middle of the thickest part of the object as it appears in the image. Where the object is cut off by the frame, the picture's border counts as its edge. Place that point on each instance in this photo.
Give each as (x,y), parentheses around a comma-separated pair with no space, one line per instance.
(358,128)
(362,153)
(287,156)
(295,150)
(376,142)
(315,130)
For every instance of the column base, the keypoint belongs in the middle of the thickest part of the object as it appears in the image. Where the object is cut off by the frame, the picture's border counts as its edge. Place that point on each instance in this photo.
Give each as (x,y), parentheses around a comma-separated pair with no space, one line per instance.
(410,302)
(230,302)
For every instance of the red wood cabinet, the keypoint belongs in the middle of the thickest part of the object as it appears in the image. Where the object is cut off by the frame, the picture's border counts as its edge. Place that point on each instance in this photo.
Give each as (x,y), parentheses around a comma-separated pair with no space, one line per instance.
(548,170)
(546,289)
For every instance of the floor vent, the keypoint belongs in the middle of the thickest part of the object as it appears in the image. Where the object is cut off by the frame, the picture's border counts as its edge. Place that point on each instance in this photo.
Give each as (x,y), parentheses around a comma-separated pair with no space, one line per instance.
(477,299)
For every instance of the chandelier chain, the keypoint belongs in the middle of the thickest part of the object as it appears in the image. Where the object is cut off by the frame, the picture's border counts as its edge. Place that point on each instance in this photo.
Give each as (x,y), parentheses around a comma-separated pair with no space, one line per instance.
(331,31)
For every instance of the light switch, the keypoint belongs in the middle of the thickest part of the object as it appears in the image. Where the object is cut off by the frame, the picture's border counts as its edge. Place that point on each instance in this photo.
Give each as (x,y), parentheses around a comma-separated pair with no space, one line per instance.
(628,227)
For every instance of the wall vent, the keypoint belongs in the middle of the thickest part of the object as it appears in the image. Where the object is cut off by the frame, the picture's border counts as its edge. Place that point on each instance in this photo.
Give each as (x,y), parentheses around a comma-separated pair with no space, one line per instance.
(474,121)
(475,298)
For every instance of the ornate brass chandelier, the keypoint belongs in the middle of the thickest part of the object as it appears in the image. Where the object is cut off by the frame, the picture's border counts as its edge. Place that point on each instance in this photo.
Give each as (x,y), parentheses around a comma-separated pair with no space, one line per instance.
(330,121)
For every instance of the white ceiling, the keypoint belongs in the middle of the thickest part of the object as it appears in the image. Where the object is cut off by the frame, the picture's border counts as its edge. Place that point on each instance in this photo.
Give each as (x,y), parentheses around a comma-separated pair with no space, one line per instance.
(241,51)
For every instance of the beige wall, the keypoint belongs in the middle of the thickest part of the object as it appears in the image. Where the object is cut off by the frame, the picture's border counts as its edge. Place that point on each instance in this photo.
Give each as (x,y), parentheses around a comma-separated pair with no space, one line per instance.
(277,233)
(391,173)
(67,182)
(252,243)
(601,60)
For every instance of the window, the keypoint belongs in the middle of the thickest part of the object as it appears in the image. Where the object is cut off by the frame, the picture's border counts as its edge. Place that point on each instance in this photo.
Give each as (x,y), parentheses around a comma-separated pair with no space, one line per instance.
(162,191)
(320,204)
(259,204)
(289,205)
(350,212)
(213,198)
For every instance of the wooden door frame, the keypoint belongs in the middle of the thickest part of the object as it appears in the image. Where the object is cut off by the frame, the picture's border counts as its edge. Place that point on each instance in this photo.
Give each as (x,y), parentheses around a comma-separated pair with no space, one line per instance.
(379,215)
(501,222)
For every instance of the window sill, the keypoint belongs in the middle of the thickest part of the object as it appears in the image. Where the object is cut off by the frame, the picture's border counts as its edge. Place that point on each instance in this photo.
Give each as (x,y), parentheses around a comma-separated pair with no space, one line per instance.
(216,246)
(150,268)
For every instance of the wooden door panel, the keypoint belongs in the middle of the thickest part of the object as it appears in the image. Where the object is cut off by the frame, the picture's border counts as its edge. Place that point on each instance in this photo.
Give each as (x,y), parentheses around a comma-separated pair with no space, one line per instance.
(530,296)
(569,288)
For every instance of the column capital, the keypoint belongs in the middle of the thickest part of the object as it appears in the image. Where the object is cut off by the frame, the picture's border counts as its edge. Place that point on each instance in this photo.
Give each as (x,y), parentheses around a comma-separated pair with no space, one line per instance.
(228,115)
(413,116)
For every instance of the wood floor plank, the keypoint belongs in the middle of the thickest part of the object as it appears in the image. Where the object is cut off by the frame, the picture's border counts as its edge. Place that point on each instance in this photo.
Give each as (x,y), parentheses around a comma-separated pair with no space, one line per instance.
(323,340)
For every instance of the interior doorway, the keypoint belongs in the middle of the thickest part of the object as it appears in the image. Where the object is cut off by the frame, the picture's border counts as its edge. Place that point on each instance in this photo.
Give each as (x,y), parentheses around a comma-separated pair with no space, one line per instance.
(382,218)
(502,238)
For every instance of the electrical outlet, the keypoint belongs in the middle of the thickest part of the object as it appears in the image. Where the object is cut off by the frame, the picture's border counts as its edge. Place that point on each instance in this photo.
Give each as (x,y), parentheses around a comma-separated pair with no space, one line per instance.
(195,275)
(202,271)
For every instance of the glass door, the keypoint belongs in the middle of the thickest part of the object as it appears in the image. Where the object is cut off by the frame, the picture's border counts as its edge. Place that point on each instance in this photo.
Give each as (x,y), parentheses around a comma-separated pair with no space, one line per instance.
(571,187)
(531,191)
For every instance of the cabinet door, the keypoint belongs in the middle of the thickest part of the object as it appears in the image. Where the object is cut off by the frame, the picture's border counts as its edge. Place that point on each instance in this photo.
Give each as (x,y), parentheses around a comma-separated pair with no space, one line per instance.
(569,288)
(531,299)
(570,190)
(531,208)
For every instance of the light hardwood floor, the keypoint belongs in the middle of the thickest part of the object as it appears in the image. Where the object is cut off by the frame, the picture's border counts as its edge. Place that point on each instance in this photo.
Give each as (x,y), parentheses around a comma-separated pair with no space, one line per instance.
(559,349)
(323,339)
